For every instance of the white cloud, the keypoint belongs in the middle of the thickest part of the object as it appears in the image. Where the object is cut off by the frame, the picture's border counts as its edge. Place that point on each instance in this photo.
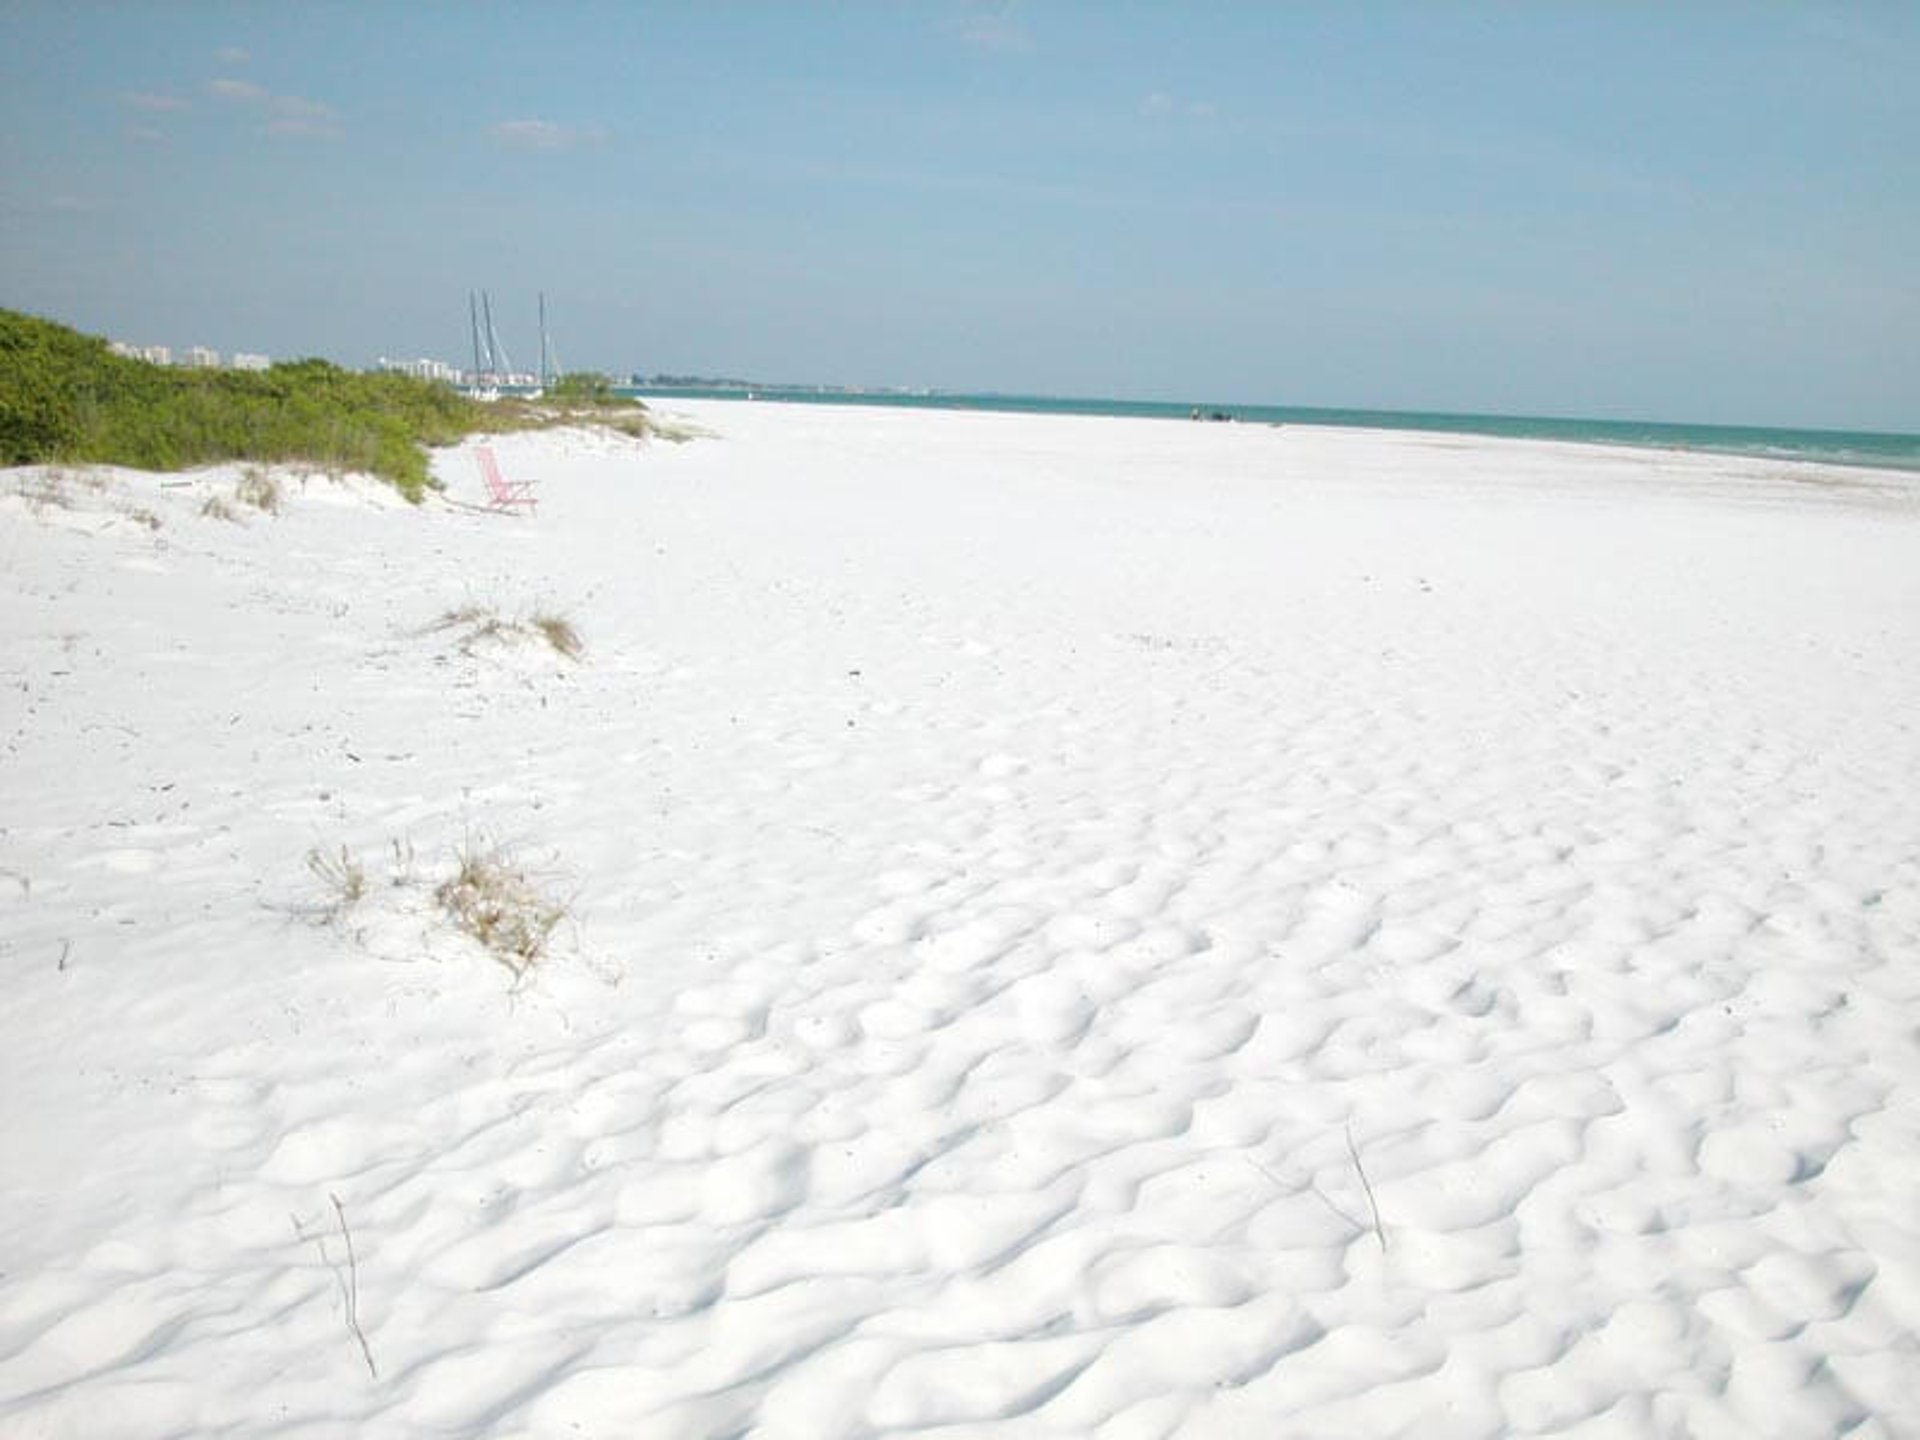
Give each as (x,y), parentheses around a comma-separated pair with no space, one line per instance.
(991,25)
(231,55)
(295,107)
(1162,106)
(303,128)
(287,115)
(544,135)
(144,134)
(144,100)
(227,88)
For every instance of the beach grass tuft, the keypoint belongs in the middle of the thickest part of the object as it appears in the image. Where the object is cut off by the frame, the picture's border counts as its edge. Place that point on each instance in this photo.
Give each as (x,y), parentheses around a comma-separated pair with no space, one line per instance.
(342,876)
(495,901)
(676,432)
(460,617)
(44,491)
(257,488)
(479,624)
(560,633)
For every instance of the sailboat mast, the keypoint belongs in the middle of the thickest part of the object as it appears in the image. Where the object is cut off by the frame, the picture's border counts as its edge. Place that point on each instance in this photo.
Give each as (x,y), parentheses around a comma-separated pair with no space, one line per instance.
(493,357)
(543,340)
(473,325)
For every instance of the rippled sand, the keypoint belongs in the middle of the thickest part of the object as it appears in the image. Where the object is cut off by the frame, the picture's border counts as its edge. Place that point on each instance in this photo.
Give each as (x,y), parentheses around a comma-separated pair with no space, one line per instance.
(1074,928)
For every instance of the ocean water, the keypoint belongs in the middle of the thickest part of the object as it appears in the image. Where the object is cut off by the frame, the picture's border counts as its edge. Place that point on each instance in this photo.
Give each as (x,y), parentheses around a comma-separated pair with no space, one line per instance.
(1879,449)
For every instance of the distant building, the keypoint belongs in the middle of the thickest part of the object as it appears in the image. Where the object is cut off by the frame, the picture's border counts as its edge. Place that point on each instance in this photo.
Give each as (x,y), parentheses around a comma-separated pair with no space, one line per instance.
(422,369)
(152,354)
(194,357)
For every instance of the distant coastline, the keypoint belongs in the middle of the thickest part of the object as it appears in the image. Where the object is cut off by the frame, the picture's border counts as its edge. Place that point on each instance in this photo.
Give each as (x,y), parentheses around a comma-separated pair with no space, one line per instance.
(1885,450)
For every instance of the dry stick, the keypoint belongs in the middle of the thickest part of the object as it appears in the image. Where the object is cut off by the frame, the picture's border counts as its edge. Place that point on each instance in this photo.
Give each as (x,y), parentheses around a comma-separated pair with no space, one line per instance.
(1312,1188)
(353,1287)
(1379,1231)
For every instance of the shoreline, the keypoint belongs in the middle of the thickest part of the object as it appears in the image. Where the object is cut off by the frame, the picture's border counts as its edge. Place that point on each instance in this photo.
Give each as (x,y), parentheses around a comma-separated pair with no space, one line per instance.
(1894,451)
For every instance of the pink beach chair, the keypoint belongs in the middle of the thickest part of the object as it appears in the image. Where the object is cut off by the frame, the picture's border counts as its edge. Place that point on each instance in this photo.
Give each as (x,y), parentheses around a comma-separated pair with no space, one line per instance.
(502,493)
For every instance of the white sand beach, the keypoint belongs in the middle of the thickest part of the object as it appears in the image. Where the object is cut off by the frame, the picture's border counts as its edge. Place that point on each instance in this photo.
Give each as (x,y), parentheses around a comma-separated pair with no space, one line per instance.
(1072,927)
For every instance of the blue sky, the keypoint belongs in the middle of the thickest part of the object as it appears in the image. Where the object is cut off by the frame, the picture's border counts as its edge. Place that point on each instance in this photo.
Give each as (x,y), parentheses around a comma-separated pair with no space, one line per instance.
(1690,212)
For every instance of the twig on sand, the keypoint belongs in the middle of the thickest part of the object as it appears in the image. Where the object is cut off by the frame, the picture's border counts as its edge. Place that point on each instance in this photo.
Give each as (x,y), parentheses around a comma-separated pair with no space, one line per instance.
(1379,1231)
(1312,1189)
(352,1287)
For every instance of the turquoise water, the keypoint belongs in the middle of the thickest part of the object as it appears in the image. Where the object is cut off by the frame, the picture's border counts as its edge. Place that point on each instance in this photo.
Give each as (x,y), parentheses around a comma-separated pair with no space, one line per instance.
(1842,447)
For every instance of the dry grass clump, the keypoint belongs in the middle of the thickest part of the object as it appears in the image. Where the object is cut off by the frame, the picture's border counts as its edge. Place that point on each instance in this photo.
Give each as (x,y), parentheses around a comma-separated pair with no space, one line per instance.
(254,490)
(45,491)
(560,634)
(344,878)
(495,902)
(479,624)
(475,622)
(593,410)
(489,897)
(462,616)
(257,488)
(676,432)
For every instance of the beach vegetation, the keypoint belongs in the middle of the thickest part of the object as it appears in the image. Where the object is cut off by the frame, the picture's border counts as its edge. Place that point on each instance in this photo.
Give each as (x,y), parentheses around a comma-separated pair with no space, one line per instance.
(257,488)
(479,625)
(677,432)
(559,632)
(623,414)
(583,387)
(66,397)
(583,398)
(342,876)
(638,424)
(475,624)
(43,491)
(496,902)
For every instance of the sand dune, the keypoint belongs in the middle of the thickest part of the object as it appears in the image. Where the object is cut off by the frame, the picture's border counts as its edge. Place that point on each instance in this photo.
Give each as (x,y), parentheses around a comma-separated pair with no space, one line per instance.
(1072,927)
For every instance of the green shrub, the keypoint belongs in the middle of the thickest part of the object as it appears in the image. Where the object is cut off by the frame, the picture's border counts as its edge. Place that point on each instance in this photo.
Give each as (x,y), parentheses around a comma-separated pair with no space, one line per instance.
(582,387)
(65,396)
